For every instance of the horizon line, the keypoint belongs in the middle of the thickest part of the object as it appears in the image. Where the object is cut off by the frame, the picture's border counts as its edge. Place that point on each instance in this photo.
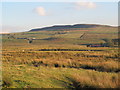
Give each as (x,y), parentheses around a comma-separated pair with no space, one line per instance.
(60,25)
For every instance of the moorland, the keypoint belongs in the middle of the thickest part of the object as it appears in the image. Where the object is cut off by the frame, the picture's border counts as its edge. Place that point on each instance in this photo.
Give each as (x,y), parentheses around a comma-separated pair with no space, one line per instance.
(59,57)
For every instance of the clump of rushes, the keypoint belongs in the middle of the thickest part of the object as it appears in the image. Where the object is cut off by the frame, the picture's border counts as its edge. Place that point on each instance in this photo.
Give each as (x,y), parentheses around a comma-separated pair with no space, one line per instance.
(95,80)
(6,80)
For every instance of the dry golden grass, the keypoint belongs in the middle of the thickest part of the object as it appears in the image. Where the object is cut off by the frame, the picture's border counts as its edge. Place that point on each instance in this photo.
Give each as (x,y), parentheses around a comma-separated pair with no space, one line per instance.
(74,59)
(28,61)
(96,80)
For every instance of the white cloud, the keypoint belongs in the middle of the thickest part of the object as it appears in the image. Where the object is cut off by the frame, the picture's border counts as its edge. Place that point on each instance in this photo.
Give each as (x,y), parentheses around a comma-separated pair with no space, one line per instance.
(40,11)
(80,5)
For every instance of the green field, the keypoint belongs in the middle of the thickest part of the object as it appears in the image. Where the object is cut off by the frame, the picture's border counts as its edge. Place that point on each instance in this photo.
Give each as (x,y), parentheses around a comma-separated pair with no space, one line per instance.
(25,65)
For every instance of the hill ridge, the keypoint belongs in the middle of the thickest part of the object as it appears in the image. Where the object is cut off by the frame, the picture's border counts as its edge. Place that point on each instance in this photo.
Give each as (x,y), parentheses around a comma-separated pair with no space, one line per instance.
(75,26)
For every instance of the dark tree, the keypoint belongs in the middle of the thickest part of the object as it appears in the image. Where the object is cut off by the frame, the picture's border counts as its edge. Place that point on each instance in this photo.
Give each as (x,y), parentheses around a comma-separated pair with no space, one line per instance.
(30,40)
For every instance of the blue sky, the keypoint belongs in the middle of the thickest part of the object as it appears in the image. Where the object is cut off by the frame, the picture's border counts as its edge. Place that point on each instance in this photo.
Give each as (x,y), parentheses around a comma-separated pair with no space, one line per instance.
(23,16)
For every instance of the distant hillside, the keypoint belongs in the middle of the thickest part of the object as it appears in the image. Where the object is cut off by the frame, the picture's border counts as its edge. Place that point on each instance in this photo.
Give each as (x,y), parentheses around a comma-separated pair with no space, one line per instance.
(69,27)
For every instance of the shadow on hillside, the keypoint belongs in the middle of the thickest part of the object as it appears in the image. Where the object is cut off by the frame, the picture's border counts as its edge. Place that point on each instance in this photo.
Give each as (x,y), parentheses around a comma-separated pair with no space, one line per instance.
(67,50)
(52,38)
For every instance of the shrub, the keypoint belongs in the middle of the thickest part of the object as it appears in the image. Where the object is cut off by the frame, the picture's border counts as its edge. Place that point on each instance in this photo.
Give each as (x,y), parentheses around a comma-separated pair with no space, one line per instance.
(56,65)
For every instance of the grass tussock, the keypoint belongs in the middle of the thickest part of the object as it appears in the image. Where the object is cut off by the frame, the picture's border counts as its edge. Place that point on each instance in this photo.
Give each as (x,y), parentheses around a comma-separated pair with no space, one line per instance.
(102,62)
(6,80)
(95,80)
(49,77)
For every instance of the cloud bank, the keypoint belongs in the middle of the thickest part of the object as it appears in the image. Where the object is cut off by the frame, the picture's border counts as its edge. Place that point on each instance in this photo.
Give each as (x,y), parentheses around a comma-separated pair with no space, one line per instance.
(9,29)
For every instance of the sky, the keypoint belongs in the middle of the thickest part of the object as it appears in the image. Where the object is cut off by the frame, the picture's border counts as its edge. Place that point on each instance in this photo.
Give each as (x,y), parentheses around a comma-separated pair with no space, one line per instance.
(24,16)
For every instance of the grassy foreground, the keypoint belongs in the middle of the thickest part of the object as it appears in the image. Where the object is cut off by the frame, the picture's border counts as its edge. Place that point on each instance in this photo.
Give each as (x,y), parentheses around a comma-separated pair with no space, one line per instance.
(23,76)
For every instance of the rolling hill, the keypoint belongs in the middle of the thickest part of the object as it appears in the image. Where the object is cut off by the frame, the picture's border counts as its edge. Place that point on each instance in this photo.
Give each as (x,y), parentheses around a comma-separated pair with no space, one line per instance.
(78,34)
(71,27)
